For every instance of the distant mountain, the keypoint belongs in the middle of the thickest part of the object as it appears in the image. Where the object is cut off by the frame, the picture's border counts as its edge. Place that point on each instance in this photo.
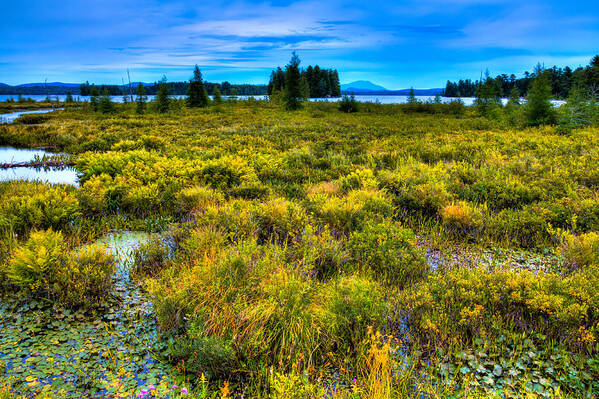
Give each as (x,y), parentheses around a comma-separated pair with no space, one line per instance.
(51,84)
(361,86)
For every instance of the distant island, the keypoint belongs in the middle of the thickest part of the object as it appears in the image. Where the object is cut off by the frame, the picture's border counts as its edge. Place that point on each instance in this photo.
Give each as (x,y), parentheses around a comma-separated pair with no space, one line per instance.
(365,87)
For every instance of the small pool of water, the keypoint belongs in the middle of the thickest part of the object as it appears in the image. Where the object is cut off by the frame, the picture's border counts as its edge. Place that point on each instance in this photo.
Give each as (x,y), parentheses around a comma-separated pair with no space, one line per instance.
(10,117)
(48,175)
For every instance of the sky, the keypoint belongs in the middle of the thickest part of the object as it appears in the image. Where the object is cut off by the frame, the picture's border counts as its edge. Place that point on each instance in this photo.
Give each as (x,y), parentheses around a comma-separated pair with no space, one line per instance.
(394,43)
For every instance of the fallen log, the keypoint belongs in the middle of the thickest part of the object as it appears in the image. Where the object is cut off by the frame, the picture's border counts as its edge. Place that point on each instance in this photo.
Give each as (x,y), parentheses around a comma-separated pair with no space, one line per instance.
(37,164)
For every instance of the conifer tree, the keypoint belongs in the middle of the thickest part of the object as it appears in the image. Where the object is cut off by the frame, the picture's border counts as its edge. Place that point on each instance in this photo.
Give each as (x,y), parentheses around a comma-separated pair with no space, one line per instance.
(293,89)
(69,98)
(141,99)
(197,96)
(217,96)
(162,98)
(538,109)
(93,99)
(105,105)
(412,96)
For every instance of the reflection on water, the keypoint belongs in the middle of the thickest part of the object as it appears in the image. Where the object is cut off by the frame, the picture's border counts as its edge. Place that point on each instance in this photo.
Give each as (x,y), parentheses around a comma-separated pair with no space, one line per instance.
(48,175)
(10,118)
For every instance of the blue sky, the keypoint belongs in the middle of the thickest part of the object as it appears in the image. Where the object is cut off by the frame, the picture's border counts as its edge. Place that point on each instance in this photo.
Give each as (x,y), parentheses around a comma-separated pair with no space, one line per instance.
(394,43)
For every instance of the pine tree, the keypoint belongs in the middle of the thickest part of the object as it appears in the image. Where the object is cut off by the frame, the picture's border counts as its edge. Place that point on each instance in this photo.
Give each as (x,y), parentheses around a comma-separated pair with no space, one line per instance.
(105,105)
(217,96)
(538,109)
(412,96)
(335,85)
(93,99)
(69,98)
(293,89)
(162,98)
(488,97)
(514,97)
(141,99)
(197,96)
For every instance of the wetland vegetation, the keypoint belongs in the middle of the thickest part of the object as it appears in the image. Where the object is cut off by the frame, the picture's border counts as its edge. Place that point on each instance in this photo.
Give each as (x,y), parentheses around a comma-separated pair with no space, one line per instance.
(373,251)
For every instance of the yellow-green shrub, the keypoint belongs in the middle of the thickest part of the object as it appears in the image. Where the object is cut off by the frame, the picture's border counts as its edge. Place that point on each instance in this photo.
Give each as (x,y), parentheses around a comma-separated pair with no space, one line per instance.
(390,252)
(279,219)
(581,250)
(462,218)
(36,206)
(350,212)
(466,303)
(197,199)
(43,266)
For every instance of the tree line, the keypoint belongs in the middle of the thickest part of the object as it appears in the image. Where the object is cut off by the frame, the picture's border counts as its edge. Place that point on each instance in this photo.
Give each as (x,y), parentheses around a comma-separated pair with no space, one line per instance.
(560,80)
(175,88)
(315,82)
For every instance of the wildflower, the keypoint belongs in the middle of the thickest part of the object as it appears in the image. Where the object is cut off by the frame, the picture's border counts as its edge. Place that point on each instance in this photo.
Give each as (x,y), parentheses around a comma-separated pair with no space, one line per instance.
(175,386)
(184,391)
(140,395)
(144,391)
(152,388)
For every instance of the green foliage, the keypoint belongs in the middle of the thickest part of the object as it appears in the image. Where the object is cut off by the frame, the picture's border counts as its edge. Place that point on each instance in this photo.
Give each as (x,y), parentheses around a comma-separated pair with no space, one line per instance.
(466,303)
(538,108)
(210,356)
(163,102)
(197,96)
(581,250)
(390,252)
(44,267)
(348,104)
(293,88)
(140,101)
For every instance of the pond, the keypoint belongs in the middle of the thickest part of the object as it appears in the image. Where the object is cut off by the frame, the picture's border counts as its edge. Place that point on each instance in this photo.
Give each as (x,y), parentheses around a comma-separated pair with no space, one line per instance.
(110,352)
(50,175)
(11,117)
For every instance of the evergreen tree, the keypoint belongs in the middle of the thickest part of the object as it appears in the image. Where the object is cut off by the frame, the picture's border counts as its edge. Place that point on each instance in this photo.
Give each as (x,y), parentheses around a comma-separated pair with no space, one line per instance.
(335,85)
(141,99)
(226,88)
(162,98)
(514,97)
(93,99)
(217,96)
(538,109)
(578,112)
(69,98)
(293,89)
(488,97)
(305,87)
(412,96)
(105,105)
(197,96)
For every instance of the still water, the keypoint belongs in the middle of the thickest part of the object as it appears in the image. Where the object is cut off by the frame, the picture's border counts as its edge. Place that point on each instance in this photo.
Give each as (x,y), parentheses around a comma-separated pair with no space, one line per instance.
(47,175)
(9,118)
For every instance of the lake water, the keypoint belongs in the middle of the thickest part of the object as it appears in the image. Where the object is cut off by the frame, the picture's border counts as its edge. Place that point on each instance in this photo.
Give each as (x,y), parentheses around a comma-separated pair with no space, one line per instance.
(10,117)
(47,175)
(361,98)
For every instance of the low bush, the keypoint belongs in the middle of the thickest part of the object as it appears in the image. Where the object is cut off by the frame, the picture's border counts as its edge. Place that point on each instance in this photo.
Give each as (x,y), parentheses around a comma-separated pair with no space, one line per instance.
(462,219)
(44,267)
(467,303)
(581,250)
(389,252)
(279,220)
(151,257)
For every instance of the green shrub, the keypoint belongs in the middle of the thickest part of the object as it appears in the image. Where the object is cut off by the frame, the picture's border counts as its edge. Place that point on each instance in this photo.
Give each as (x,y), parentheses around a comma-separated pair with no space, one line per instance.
(581,250)
(210,356)
(319,253)
(467,303)
(355,304)
(279,220)
(462,219)
(197,199)
(35,206)
(389,252)
(44,267)
(151,257)
(348,104)
(350,212)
